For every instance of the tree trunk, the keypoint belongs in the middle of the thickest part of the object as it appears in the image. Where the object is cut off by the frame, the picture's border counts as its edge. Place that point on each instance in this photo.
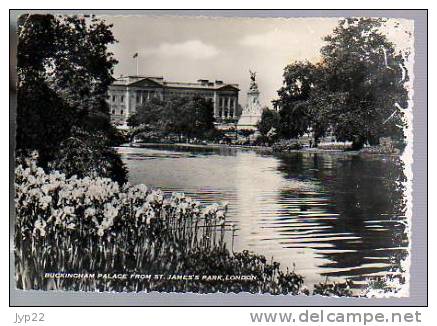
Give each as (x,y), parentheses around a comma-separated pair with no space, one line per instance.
(316,141)
(357,143)
(373,140)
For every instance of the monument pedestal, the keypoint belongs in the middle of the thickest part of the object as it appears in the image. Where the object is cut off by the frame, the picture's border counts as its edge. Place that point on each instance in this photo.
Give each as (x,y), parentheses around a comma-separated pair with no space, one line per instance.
(252,112)
(248,122)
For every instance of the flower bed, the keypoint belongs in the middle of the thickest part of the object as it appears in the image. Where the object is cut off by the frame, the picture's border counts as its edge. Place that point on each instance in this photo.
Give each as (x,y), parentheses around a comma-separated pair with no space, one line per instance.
(92,225)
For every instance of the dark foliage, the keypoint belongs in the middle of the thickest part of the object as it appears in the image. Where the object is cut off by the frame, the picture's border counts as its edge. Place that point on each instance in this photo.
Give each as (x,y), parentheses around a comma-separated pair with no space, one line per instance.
(64,70)
(333,289)
(186,116)
(286,145)
(88,155)
(268,126)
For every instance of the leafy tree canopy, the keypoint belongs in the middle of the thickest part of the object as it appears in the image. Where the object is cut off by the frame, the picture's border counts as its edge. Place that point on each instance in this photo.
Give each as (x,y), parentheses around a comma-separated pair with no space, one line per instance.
(357,89)
(269,120)
(64,70)
(69,54)
(188,116)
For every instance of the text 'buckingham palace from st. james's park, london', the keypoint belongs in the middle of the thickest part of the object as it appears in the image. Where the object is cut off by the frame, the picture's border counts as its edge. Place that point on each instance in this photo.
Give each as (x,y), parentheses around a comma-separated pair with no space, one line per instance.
(129,92)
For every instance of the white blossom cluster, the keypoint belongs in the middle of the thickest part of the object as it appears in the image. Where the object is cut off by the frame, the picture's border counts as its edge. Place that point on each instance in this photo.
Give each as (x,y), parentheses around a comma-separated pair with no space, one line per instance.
(51,203)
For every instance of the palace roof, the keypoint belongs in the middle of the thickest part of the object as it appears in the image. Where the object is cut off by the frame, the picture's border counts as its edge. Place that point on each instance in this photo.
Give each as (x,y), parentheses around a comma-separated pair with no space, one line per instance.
(200,84)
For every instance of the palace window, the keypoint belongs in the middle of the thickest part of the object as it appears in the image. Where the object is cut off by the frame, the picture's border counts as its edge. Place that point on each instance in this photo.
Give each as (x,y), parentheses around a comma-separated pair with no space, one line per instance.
(113,111)
(122,98)
(121,111)
(114,98)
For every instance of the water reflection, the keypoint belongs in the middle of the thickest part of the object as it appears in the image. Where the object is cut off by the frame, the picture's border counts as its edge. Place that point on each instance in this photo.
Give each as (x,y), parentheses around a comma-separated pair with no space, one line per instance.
(335,215)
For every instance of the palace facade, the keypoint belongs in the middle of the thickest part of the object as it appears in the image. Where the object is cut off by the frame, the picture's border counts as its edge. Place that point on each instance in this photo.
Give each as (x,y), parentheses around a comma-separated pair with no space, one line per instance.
(128,93)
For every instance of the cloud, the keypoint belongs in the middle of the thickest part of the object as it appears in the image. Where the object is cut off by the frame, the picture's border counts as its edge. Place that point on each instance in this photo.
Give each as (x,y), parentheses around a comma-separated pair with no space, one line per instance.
(265,40)
(194,49)
(276,39)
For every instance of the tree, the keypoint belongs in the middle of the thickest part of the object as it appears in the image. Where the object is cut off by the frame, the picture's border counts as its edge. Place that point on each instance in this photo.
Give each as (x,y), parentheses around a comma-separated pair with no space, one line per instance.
(197,117)
(269,119)
(188,116)
(295,111)
(149,113)
(363,68)
(70,55)
(357,90)
(64,70)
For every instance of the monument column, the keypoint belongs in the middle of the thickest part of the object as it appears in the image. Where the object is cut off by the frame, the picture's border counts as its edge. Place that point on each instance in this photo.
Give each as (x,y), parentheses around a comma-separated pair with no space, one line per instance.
(229,105)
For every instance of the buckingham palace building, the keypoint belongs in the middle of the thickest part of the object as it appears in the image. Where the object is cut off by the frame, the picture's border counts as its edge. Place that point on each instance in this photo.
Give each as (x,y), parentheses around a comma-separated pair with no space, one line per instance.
(128,93)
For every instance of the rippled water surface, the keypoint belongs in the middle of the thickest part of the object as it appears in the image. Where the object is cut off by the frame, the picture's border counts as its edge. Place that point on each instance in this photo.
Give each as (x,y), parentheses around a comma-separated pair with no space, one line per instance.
(332,215)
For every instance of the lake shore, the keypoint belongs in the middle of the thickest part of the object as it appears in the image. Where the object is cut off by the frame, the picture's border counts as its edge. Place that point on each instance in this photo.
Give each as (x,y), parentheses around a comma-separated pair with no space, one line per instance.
(259,149)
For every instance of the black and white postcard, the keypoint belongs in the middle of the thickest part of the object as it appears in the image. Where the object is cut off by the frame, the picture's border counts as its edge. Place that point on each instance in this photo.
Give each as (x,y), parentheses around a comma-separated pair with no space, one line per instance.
(211,154)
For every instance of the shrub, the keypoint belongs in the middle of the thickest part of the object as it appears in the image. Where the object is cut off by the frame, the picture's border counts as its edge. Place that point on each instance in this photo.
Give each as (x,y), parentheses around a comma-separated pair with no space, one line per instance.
(150,136)
(261,140)
(334,289)
(245,132)
(286,145)
(213,135)
(84,155)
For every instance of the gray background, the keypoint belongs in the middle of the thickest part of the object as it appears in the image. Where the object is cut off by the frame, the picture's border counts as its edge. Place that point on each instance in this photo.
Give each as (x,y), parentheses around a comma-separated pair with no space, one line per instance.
(419,236)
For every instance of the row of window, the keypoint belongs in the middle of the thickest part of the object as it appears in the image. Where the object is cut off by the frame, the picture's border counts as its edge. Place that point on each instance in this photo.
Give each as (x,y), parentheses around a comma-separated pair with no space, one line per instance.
(225,113)
(221,112)
(114,111)
(182,93)
(115,97)
(142,96)
(223,101)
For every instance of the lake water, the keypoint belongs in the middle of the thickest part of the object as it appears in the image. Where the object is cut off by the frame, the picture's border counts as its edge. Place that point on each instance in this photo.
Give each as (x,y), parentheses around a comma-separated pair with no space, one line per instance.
(334,215)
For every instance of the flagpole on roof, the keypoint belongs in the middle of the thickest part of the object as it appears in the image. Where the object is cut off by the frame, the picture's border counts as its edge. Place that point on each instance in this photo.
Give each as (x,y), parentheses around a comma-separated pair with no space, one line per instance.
(136,57)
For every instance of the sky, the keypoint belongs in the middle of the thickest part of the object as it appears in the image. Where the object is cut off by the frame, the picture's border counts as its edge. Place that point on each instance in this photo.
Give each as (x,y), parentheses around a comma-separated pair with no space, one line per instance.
(186,48)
